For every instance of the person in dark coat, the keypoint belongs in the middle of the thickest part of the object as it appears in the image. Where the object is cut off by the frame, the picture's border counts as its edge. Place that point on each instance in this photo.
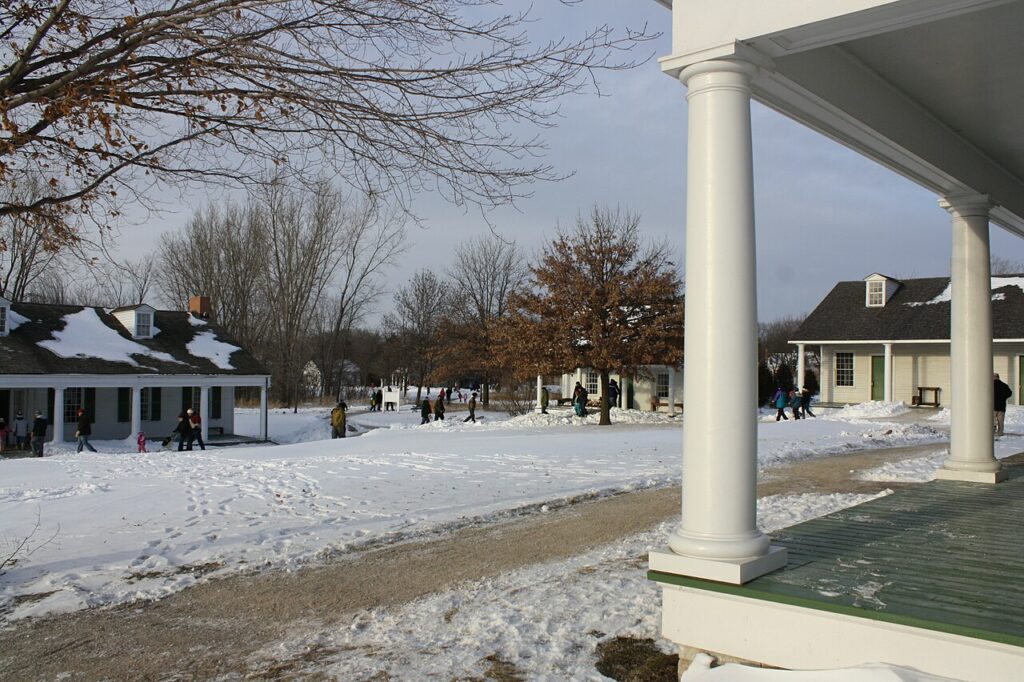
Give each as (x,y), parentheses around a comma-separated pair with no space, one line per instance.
(439,406)
(794,403)
(545,399)
(613,393)
(472,410)
(83,431)
(1002,394)
(805,402)
(39,425)
(425,411)
(195,424)
(183,429)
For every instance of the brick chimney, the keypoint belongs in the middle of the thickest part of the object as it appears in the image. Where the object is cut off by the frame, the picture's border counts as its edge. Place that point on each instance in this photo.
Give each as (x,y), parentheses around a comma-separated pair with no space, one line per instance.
(200,305)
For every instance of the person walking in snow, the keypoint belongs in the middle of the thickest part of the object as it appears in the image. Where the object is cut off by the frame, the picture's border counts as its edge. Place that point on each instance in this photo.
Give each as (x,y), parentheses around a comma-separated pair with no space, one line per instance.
(338,420)
(794,403)
(439,406)
(425,410)
(20,428)
(472,410)
(579,400)
(779,402)
(84,431)
(545,400)
(141,441)
(39,425)
(805,402)
(613,393)
(195,423)
(183,429)
(1002,393)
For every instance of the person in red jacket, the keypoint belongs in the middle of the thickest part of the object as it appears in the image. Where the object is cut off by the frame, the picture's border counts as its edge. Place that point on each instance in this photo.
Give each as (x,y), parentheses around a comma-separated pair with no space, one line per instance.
(196,422)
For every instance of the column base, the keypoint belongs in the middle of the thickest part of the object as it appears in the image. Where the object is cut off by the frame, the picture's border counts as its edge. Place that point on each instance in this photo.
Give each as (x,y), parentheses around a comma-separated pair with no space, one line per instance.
(971,476)
(734,571)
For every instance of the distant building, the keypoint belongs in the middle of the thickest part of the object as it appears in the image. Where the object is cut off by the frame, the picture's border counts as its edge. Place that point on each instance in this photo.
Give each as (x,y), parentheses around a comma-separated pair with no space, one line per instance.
(132,369)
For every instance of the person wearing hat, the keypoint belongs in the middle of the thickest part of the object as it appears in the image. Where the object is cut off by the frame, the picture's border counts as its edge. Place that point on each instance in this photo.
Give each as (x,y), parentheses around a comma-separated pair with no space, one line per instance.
(195,423)
(472,410)
(84,431)
(184,430)
(39,425)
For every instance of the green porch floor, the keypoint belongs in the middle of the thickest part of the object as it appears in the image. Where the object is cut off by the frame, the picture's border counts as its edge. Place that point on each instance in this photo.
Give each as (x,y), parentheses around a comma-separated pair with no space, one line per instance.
(943,556)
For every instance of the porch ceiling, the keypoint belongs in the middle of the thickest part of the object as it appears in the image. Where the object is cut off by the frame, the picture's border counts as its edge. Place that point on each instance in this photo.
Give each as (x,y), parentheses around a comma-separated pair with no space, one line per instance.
(939,102)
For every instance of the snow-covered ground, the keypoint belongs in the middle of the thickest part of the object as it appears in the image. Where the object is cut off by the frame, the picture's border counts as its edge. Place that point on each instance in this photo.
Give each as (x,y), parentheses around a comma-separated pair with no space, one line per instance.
(116,526)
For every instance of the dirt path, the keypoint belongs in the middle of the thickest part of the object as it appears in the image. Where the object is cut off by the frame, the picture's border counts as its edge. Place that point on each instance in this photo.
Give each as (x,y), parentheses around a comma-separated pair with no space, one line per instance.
(212,629)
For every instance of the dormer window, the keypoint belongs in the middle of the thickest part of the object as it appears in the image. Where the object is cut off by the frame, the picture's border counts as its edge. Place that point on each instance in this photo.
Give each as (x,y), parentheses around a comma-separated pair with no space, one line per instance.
(137,320)
(879,290)
(876,294)
(143,325)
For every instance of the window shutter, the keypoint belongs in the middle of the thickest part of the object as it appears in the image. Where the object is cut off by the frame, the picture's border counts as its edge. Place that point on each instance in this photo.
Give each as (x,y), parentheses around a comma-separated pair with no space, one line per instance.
(215,398)
(89,403)
(48,411)
(186,397)
(154,404)
(124,405)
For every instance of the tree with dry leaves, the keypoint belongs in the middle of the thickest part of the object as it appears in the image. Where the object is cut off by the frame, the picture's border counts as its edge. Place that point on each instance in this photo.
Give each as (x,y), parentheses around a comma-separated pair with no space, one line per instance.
(598,298)
(114,99)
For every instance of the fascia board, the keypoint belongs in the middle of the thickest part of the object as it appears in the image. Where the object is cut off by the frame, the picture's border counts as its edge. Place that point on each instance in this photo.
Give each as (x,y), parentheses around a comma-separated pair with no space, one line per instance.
(128,380)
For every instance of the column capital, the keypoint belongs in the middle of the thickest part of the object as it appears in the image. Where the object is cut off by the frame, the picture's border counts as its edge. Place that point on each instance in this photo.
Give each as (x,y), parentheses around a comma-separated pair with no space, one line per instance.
(966,204)
(747,70)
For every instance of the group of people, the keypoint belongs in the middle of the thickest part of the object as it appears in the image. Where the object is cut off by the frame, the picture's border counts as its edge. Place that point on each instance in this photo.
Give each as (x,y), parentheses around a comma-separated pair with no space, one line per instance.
(798,402)
(377,401)
(437,407)
(579,400)
(34,434)
(189,430)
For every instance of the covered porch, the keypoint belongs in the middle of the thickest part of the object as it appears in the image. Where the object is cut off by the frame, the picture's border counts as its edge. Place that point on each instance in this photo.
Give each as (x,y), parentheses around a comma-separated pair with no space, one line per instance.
(927,576)
(931,90)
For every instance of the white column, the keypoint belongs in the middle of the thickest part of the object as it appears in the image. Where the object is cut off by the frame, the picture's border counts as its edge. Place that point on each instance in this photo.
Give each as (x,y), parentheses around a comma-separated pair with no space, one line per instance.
(672,391)
(136,412)
(204,412)
(58,416)
(801,369)
(263,412)
(971,455)
(887,373)
(718,538)
(540,382)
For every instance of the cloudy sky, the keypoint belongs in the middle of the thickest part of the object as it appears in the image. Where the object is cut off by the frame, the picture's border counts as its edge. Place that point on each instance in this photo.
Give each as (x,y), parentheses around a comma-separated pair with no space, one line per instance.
(823,213)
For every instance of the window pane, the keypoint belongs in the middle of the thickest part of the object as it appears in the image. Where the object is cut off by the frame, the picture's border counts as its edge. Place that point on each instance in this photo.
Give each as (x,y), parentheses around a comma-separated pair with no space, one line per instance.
(3,319)
(592,383)
(662,385)
(143,324)
(72,402)
(844,369)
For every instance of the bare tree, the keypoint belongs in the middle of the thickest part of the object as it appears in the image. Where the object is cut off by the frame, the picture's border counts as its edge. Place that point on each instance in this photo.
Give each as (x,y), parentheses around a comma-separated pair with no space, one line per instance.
(600,299)
(417,320)
(1006,266)
(28,247)
(391,95)
(369,238)
(489,270)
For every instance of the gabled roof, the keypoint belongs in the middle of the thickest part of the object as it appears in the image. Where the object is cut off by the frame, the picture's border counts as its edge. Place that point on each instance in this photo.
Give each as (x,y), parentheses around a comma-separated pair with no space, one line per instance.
(919,310)
(66,339)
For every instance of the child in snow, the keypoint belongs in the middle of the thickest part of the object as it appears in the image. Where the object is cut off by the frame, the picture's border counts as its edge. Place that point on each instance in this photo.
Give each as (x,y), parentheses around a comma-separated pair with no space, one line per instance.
(141,441)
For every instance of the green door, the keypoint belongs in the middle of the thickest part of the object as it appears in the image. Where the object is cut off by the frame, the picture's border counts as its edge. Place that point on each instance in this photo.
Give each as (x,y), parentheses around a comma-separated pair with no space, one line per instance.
(877,377)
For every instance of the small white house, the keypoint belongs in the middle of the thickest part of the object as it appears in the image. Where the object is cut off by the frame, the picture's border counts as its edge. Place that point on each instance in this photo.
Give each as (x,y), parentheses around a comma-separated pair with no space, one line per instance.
(132,369)
(655,388)
(888,339)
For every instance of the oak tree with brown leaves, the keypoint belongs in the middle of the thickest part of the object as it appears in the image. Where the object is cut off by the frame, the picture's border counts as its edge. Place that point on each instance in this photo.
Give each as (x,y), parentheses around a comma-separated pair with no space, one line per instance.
(113,100)
(598,298)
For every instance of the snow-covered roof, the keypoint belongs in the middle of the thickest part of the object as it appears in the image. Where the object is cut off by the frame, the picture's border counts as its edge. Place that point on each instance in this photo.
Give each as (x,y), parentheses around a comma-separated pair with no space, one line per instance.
(61,339)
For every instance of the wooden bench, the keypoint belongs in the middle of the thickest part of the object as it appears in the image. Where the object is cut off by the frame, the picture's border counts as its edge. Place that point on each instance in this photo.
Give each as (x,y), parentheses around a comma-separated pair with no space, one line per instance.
(926,392)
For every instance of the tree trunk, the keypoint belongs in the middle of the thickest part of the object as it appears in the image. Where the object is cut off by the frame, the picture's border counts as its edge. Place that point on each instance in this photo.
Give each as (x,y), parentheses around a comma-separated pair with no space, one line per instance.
(606,419)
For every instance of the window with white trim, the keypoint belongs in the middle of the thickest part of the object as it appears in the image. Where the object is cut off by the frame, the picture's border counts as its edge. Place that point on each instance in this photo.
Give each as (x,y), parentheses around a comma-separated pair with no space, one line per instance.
(876,294)
(143,325)
(844,369)
(74,399)
(592,383)
(662,385)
